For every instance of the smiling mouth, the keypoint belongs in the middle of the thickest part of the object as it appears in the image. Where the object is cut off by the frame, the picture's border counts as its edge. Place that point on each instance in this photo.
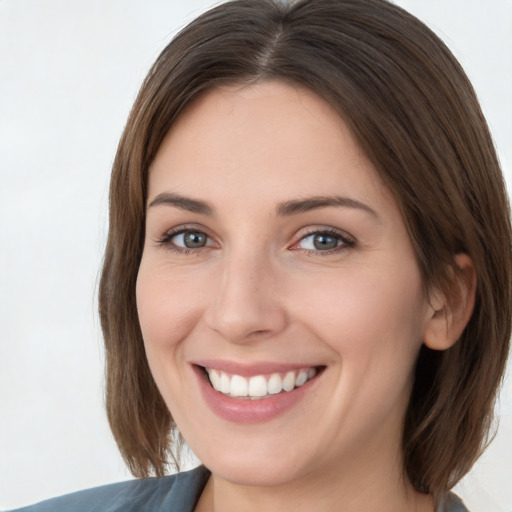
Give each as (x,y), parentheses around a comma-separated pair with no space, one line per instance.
(259,387)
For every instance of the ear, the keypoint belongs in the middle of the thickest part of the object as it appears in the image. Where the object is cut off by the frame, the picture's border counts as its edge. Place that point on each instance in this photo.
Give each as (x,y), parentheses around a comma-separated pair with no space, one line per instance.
(452,310)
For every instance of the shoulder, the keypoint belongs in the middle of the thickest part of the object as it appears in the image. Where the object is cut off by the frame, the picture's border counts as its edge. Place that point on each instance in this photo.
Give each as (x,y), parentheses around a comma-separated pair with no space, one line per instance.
(452,503)
(178,493)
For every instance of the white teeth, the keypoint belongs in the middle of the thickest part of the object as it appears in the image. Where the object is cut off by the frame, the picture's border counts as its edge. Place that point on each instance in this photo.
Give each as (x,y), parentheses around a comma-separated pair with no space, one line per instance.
(215,378)
(274,384)
(239,386)
(302,378)
(258,386)
(289,381)
(225,384)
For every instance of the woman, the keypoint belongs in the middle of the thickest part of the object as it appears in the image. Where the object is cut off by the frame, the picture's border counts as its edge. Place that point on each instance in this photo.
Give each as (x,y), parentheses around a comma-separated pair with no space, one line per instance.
(308,267)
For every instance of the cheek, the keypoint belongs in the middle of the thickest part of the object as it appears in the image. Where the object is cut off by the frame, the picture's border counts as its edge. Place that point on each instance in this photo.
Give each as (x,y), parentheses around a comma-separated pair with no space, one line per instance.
(165,309)
(368,312)
(373,323)
(167,314)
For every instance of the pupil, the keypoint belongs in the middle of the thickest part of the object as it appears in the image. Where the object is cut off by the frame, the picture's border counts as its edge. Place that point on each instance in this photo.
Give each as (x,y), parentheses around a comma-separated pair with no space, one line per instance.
(194,240)
(325,242)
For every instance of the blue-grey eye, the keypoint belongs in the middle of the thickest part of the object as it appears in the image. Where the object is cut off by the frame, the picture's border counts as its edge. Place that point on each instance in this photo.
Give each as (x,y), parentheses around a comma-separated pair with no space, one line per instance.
(190,239)
(320,242)
(325,242)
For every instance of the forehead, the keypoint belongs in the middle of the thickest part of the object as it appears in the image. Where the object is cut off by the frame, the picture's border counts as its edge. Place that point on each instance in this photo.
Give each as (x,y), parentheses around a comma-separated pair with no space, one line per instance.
(269,136)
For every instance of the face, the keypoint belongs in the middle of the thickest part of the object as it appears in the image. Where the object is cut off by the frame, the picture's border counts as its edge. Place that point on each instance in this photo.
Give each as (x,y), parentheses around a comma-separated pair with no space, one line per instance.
(279,297)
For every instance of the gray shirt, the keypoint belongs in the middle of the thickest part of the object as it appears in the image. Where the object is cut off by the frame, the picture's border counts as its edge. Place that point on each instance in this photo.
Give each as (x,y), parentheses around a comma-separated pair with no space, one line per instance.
(175,493)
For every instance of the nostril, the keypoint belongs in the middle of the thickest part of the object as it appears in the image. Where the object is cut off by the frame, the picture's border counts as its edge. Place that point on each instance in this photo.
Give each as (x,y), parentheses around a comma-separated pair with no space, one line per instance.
(260,332)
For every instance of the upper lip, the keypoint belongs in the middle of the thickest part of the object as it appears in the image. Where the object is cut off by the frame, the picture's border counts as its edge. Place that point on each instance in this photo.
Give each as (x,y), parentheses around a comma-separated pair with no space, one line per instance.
(251,369)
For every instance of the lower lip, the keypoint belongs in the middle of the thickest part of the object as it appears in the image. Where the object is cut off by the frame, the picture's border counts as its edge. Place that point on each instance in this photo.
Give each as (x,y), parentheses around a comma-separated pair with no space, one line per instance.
(240,410)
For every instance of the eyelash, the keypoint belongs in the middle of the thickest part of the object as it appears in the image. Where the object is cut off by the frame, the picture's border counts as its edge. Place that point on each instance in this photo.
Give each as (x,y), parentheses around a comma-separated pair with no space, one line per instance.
(166,240)
(344,240)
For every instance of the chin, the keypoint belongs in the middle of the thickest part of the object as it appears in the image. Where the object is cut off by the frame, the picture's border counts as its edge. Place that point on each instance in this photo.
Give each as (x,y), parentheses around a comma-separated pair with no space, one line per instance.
(245,471)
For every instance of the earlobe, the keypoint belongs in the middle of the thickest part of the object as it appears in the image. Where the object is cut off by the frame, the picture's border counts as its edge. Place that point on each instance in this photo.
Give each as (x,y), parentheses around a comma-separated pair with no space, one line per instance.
(452,309)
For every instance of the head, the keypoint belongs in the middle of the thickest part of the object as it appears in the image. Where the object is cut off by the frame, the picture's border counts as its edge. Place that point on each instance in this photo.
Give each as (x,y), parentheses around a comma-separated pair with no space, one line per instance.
(411,110)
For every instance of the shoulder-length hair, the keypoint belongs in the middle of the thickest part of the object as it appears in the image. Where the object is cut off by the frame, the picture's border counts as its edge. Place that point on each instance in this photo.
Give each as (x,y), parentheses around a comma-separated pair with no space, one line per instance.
(415,115)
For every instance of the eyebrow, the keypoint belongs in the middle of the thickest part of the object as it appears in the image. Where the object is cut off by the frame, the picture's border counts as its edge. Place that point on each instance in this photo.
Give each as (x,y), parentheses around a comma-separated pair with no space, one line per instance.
(288,208)
(184,203)
(299,206)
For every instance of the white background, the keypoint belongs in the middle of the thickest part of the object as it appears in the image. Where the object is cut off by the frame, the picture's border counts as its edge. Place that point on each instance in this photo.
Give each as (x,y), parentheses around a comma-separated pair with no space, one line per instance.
(69,72)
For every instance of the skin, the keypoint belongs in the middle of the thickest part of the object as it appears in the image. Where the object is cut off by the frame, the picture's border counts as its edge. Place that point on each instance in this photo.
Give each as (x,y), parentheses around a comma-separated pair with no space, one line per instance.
(259,290)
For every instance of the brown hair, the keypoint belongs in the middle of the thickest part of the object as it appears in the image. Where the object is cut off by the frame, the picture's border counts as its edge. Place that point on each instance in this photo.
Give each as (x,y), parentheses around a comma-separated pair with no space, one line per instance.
(416,116)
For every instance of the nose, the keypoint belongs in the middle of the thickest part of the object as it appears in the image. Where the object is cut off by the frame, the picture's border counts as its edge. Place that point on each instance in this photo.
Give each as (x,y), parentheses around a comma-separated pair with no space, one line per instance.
(247,304)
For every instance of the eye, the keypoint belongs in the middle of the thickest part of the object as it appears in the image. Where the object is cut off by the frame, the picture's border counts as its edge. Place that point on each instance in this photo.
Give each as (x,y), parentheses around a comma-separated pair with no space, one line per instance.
(185,240)
(190,239)
(324,241)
